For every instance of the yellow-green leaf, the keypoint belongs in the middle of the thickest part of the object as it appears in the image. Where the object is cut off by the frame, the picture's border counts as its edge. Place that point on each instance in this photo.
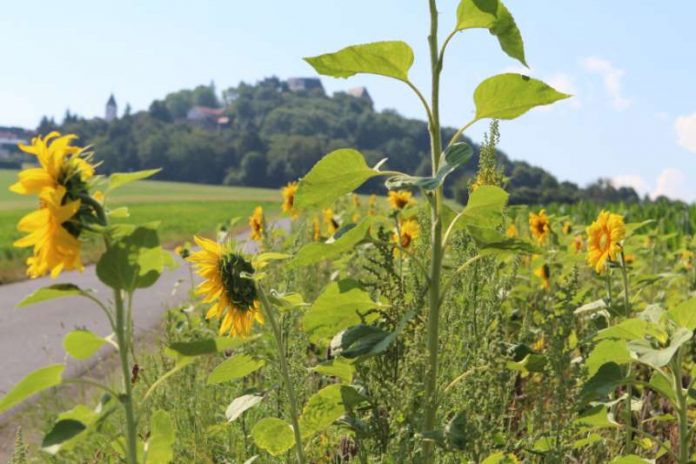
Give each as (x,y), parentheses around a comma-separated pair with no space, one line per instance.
(51,293)
(37,381)
(273,435)
(119,179)
(684,315)
(326,406)
(336,174)
(507,96)
(391,59)
(235,368)
(162,437)
(82,344)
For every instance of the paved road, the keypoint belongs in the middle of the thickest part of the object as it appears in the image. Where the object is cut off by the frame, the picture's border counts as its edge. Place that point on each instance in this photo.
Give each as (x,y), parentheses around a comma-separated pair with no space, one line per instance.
(32,337)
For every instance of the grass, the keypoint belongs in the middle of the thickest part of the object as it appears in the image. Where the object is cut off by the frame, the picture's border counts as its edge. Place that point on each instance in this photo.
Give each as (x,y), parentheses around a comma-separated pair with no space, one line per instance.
(183,209)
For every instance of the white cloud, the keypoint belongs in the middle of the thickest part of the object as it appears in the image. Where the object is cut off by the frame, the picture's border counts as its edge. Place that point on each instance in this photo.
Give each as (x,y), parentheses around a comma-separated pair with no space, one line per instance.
(671,183)
(631,180)
(611,75)
(686,131)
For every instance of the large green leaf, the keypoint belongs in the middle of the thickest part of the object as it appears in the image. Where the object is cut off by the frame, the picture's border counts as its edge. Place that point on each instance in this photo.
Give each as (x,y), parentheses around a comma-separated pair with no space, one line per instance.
(134,260)
(485,207)
(630,459)
(82,344)
(119,179)
(326,406)
(336,174)
(235,368)
(609,376)
(62,431)
(273,435)
(494,16)
(595,418)
(37,381)
(208,345)
(51,293)
(507,96)
(456,155)
(684,315)
(391,59)
(629,329)
(241,404)
(337,367)
(162,437)
(492,242)
(657,357)
(606,351)
(336,309)
(316,252)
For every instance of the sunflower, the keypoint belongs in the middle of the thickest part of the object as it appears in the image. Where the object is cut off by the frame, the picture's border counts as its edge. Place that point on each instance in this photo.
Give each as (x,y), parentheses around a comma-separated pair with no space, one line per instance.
(540,226)
(55,248)
(512,231)
(233,296)
(356,200)
(59,164)
(604,238)
(399,199)
(567,227)
(330,221)
(257,224)
(408,232)
(539,345)
(288,192)
(544,273)
(577,244)
(686,259)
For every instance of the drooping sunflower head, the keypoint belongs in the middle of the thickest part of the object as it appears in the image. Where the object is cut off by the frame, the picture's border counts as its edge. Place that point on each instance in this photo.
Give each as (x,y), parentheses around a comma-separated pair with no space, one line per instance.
(512,231)
(540,226)
(543,272)
(604,237)
(399,199)
(577,244)
(406,235)
(55,248)
(288,193)
(60,163)
(227,287)
(257,224)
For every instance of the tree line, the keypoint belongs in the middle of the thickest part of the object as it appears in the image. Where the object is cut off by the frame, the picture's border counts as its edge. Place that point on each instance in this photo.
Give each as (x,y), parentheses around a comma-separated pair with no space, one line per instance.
(272,135)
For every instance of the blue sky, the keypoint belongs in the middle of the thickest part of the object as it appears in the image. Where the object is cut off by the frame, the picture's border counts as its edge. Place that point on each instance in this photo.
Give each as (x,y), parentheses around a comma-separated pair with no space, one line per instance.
(629,64)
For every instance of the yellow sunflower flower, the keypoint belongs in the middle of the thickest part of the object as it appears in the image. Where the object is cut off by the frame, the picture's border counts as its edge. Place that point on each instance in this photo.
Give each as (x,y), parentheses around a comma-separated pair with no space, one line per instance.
(686,259)
(399,199)
(544,273)
(233,297)
(372,204)
(512,231)
(288,192)
(330,221)
(577,244)
(55,249)
(257,224)
(539,226)
(567,227)
(604,238)
(59,163)
(408,232)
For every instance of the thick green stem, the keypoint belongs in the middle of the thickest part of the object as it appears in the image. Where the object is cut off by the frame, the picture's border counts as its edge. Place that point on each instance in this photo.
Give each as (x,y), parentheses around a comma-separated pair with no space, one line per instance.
(628,418)
(682,409)
(127,398)
(431,393)
(282,359)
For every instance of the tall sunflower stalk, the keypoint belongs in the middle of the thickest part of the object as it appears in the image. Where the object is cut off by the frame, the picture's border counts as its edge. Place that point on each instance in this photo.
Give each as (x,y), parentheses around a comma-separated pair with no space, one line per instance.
(71,210)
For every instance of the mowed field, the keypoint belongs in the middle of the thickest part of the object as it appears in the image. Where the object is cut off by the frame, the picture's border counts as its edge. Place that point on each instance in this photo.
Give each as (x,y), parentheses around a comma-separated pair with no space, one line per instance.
(183,209)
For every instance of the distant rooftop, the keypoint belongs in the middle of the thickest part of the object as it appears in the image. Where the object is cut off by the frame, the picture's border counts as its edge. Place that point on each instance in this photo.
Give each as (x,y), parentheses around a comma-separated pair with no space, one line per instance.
(296,84)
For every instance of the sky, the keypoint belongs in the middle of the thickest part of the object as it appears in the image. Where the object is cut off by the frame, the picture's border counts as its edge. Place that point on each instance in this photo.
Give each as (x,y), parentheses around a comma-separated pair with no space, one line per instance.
(630,65)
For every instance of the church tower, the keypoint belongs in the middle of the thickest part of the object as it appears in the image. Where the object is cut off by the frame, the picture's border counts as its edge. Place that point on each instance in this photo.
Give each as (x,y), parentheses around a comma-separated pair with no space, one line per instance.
(111,109)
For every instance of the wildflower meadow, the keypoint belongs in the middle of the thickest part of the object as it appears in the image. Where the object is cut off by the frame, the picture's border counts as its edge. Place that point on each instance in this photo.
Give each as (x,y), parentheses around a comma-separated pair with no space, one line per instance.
(343,326)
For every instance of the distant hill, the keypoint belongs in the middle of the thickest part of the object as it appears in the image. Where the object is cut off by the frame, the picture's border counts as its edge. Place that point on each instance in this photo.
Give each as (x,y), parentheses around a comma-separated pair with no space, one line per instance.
(274,131)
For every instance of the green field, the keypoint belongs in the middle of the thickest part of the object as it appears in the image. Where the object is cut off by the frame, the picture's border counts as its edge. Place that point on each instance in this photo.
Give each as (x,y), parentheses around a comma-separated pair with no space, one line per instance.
(183,209)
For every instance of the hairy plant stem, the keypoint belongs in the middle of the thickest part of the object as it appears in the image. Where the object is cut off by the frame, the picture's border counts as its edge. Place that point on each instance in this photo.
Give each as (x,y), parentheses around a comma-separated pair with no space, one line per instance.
(122,332)
(431,394)
(285,372)
(682,408)
(629,390)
